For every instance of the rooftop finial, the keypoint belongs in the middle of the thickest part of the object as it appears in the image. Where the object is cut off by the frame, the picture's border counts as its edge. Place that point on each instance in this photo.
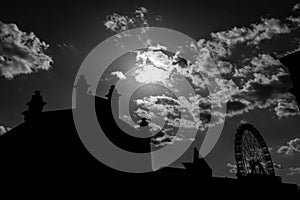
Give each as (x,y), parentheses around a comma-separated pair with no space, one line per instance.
(35,106)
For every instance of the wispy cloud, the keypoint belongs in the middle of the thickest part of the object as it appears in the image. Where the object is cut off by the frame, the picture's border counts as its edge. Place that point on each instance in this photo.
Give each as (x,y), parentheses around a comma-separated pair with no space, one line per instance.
(65,46)
(294,171)
(21,52)
(119,23)
(253,35)
(270,149)
(291,147)
(278,166)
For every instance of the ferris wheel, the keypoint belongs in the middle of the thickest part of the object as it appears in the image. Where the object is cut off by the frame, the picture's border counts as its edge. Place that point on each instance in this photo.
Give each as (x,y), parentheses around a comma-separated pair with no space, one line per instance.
(251,152)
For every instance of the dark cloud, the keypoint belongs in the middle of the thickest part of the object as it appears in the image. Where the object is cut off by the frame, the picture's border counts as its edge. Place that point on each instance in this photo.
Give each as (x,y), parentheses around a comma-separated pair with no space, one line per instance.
(235,106)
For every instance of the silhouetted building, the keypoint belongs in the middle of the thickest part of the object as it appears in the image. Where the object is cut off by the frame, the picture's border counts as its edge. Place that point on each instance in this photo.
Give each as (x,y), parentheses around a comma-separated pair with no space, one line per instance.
(46,144)
(292,61)
(198,168)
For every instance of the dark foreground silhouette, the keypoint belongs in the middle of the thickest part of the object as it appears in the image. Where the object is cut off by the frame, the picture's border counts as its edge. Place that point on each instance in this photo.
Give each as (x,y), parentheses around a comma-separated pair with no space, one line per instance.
(46,146)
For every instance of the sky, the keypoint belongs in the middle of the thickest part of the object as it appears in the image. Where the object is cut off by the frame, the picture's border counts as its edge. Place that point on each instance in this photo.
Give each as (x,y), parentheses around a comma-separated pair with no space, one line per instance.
(43,45)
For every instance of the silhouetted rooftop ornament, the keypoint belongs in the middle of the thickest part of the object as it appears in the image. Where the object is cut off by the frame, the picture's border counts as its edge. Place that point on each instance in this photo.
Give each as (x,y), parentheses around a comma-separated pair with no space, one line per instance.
(144,127)
(144,122)
(35,106)
(199,166)
(112,92)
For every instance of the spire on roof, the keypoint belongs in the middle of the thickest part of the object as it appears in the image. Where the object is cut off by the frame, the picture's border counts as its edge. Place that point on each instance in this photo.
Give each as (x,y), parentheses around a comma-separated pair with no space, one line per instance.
(34,107)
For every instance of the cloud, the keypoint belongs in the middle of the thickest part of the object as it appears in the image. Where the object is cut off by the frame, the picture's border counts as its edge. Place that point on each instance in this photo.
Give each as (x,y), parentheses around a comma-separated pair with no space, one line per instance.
(270,149)
(21,52)
(159,18)
(277,166)
(260,81)
(296,7)
(253,35)
(295,144)
(233,168)
(291,147)
(65,46)
(287,106)
(4,130)
(285,150)
(249,82)
(119,23)
(119,75)
(151,74)
(169,139)
(294,171)
(253,77)
(295,20)
(263,82)
(247,73)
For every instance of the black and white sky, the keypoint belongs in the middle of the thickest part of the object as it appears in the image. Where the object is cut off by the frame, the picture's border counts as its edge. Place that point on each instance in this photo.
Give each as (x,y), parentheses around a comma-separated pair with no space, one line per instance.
(42,45)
